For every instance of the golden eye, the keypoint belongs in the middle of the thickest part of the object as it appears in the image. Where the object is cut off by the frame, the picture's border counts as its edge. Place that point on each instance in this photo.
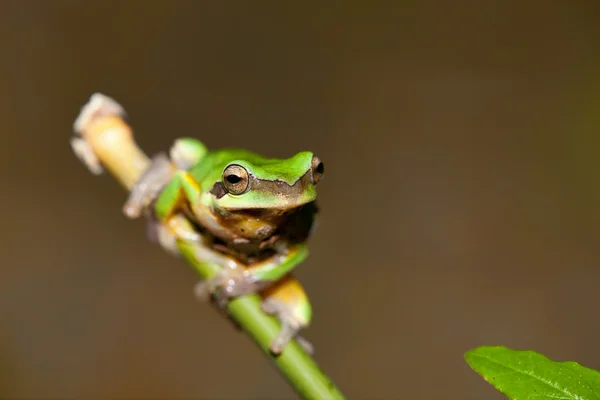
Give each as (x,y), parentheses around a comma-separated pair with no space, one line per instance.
(318,169)
(236,179)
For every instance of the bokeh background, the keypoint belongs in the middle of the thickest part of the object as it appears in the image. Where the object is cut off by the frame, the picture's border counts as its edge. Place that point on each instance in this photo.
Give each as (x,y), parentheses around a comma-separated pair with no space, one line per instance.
(459,207)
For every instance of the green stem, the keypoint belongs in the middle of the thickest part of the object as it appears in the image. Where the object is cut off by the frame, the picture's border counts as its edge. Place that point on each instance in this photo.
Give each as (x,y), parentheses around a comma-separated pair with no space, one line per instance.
(299,369)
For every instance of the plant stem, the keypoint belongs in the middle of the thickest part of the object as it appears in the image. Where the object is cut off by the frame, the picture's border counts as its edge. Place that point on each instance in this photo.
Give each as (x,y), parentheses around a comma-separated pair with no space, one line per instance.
(108,141)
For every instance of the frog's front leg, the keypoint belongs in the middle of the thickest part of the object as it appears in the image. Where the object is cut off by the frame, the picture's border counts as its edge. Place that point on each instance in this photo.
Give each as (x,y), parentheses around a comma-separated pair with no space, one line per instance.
(170,174)
(183,154)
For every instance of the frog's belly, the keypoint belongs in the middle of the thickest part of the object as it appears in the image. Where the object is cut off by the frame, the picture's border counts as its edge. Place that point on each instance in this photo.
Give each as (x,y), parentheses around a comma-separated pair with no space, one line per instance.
(252,228)
(239,227)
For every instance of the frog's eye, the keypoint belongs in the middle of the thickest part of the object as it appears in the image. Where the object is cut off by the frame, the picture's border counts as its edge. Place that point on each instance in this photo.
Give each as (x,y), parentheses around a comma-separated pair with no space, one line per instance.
(318,169)
(236,179)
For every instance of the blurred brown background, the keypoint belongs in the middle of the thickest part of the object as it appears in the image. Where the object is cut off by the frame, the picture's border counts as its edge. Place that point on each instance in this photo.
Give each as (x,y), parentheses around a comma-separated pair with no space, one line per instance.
(460,204)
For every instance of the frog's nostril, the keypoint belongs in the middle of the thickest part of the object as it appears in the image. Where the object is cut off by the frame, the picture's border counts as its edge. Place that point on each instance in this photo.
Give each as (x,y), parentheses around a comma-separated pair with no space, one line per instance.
(318,169)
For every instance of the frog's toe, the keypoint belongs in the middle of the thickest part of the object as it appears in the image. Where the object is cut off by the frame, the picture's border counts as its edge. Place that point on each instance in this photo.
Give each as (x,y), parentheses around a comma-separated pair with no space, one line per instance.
(290,326)
(203,290)
(306,345)
(288,332)
(226,284)
(84,151)
(158,232)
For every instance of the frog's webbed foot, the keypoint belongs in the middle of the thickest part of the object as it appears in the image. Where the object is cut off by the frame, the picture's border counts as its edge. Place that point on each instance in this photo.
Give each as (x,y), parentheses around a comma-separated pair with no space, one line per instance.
(149,186)
(232,280)
(161,233)
(290,326)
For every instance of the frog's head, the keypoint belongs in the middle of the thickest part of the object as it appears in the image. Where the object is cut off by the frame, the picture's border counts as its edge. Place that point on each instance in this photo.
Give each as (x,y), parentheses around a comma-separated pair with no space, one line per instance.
(268,184)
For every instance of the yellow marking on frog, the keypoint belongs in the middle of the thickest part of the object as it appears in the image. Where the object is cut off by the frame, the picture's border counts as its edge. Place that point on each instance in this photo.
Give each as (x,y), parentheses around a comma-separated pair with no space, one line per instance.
(289,291)
(191,181)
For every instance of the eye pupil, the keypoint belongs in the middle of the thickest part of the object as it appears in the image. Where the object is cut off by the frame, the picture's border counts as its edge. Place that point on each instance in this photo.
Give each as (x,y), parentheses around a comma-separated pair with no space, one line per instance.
(233,179)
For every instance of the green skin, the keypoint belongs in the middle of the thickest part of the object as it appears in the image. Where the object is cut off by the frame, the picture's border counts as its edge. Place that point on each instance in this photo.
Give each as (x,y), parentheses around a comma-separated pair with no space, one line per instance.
(244,207)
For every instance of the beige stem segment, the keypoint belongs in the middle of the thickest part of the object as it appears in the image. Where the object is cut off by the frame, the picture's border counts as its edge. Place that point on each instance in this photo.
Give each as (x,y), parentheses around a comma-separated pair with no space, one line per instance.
(111,139)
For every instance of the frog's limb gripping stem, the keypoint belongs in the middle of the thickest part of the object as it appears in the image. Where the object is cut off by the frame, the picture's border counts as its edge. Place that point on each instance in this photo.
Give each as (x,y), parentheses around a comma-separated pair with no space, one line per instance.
(239,280)
(228,283)
(161,233)
(183,154)
(149,186)
(287,300)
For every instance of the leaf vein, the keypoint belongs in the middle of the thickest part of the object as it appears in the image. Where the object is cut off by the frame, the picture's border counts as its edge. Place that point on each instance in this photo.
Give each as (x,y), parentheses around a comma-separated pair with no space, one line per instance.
(548,383)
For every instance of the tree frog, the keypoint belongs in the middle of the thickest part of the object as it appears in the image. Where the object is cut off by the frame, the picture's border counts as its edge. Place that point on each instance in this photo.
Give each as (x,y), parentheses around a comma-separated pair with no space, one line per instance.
(252,216)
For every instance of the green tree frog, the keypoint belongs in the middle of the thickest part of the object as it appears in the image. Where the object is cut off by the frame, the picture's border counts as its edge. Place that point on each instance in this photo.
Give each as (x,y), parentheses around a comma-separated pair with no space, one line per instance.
(252,216)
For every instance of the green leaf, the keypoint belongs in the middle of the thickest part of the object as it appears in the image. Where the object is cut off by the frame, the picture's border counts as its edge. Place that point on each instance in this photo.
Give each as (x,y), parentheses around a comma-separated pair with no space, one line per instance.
(525,375)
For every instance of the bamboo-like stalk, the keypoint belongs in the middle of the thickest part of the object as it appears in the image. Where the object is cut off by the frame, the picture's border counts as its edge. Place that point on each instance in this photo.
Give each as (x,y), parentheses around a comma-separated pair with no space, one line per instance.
(104,140)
